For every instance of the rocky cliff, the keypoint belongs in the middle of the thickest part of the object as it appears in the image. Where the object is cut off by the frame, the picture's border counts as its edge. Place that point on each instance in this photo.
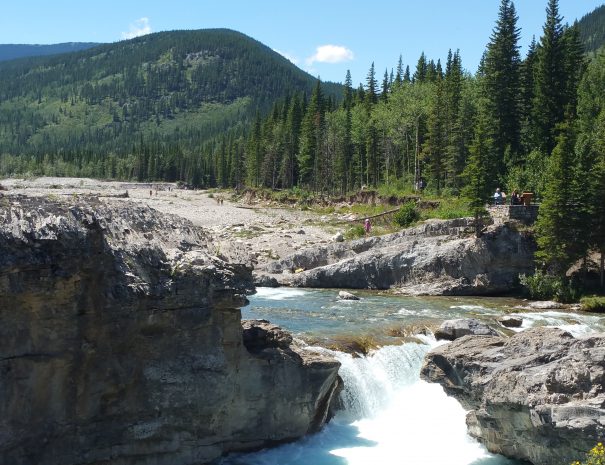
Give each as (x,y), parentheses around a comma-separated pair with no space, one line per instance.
(537,396)
(121,342)
(435,258)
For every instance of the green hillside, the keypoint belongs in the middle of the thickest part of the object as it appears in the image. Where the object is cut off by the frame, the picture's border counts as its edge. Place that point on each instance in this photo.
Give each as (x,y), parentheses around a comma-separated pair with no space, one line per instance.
(592,29)
(169,92)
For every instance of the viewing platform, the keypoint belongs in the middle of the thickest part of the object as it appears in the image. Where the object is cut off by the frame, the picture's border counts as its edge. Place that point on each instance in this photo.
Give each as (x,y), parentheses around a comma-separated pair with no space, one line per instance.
(526,214)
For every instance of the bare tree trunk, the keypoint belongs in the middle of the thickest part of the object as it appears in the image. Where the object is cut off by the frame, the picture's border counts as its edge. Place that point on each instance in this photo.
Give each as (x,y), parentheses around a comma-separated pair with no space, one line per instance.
(602,269)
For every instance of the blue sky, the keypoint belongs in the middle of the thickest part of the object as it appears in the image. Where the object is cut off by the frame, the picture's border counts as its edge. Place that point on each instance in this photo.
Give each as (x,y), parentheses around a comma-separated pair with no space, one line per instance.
(323,37)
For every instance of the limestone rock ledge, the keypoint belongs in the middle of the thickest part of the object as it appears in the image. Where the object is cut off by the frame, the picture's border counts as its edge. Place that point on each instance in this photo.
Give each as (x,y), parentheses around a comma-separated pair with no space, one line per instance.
(438,257)
(121,342)
(537,396)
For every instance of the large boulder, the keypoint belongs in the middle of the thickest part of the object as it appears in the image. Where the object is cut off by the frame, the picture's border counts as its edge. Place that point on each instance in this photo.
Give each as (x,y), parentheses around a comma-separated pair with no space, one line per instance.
(121,342)
(537,396)
(435,258)
(454,329)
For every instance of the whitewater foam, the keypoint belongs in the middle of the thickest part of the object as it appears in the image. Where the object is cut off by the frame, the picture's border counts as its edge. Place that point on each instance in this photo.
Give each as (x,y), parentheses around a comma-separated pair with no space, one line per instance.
(390,417)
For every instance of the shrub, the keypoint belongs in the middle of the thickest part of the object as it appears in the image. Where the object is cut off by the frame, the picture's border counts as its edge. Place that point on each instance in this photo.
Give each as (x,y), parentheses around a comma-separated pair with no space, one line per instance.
(542,286)
(593,304)
(355,232)
(406,215)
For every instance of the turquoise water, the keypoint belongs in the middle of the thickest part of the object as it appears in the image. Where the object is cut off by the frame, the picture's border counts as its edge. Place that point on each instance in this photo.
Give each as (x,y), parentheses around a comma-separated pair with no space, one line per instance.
(390,416)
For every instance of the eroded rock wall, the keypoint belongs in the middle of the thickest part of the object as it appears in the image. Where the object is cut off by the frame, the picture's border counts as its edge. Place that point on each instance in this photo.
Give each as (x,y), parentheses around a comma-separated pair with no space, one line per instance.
(537,396)
(121,342)
(435,258)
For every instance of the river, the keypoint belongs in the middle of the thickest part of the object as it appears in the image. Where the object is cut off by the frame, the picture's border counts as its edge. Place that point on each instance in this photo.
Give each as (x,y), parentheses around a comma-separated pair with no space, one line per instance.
(390,416)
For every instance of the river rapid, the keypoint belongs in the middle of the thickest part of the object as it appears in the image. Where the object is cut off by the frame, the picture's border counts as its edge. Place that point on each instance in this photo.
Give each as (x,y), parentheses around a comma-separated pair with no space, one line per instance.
(389,416)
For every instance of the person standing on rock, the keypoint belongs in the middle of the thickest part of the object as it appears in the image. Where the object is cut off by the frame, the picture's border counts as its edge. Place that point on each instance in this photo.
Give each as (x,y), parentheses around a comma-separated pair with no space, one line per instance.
(367,226)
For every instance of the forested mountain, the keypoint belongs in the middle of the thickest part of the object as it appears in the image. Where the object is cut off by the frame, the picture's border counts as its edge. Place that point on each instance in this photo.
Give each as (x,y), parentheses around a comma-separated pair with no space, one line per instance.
(140,108)
(592,29)
(13,51)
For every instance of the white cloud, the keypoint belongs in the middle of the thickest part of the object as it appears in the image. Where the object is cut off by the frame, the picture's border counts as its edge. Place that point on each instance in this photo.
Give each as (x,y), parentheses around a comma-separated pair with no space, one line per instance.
(330,54)
(139,28)
(287,56)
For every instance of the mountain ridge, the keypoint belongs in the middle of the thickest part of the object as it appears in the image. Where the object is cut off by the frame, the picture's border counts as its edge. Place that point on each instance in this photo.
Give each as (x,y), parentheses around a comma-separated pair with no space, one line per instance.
(166,92)
(16,51)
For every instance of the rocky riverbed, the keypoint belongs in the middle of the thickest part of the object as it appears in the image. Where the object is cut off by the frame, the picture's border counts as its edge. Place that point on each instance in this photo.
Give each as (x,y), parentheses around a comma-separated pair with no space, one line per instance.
(251,234)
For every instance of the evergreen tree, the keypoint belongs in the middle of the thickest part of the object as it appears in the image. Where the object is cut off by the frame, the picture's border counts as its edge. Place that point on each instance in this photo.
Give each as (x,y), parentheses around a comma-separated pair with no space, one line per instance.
(399,74)
(550,90)
(436,142)
(455,150)
(420,74)
(502,87)
(477,186)
(574,65)
(528,69)
(310,138)
(371,87)
(591,153)
(406,75)
(384,93)
(557,228)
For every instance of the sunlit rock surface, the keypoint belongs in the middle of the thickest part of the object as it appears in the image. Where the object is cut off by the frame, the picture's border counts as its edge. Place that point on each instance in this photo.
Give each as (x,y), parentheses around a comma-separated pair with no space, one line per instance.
(537,396)
(121,342)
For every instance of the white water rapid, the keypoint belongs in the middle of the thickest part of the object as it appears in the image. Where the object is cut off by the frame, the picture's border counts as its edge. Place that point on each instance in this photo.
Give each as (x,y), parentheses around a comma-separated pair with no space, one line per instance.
(390,417)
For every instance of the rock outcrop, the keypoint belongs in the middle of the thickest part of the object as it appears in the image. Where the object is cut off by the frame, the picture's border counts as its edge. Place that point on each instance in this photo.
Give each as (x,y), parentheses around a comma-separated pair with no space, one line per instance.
(455,329)
(121,342)
(537,396)
(435,258)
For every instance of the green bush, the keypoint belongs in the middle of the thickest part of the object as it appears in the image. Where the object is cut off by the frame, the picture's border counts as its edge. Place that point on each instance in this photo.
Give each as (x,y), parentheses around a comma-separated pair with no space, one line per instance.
(406,215)
(543,286)
(593,304)
(355,232)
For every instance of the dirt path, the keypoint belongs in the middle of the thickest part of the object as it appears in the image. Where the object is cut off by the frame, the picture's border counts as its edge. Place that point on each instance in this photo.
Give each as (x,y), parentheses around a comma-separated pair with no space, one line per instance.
(244,234)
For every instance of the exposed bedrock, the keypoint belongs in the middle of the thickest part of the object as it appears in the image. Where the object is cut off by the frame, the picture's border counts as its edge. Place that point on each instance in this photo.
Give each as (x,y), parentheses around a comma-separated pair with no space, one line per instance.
(435,258)
(537,396)
(121,342)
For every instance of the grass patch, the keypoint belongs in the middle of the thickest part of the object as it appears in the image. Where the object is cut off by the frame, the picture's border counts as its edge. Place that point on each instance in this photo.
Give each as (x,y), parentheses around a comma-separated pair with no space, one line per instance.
(354,232)
(449,208)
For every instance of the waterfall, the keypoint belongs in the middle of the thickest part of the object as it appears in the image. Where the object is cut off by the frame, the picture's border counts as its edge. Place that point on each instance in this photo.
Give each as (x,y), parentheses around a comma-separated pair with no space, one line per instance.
(390,417)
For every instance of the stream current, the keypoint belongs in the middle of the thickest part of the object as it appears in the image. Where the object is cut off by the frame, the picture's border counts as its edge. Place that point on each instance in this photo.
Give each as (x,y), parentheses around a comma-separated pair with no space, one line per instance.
(390,416)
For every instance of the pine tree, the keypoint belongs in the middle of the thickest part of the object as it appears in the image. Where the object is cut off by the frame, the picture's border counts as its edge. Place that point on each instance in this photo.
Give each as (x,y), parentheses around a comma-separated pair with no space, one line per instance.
(502,87)
(399,74)
(591,155)
(575,66)
(557,228)
(421,69)
(310,138)
(406,75)
(436,143)
(346,167)
(476,190)
(456,150)
(384,93)
(550,90)
(371,87)
(528,69)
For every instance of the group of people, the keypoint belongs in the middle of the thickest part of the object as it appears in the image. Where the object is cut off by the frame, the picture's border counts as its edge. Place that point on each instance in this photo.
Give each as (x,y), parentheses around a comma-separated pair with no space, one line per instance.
(500,197)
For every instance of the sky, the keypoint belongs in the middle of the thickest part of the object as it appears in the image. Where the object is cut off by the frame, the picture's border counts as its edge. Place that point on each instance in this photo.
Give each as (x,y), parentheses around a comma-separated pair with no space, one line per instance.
(323,37)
